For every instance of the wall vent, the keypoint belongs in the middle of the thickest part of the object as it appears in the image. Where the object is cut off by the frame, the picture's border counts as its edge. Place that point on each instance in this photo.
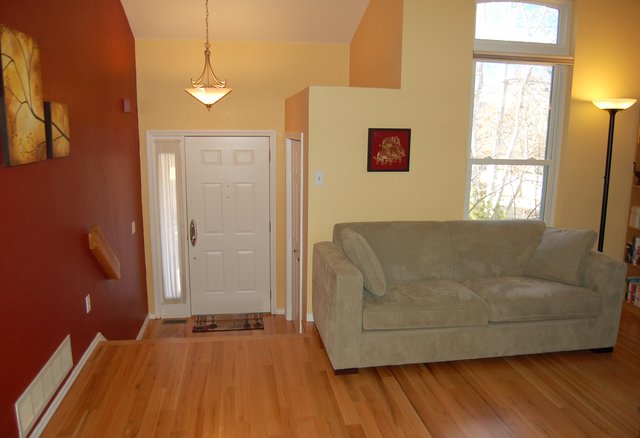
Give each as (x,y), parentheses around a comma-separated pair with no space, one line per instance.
(35,398)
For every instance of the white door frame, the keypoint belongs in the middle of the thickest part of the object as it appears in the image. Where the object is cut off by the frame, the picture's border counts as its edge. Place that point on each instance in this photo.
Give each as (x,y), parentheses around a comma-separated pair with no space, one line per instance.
(184,310)
(290,137)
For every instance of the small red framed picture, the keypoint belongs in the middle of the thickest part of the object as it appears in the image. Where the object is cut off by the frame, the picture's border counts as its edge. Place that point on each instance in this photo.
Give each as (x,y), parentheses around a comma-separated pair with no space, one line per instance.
(388,150)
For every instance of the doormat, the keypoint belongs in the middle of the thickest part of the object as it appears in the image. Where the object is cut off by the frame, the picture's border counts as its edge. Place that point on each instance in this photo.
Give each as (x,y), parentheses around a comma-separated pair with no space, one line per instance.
(230,322)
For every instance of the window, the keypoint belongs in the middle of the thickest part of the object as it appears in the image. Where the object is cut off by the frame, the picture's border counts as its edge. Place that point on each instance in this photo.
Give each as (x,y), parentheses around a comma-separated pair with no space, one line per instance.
(170,223)
(517,21)
(519,91)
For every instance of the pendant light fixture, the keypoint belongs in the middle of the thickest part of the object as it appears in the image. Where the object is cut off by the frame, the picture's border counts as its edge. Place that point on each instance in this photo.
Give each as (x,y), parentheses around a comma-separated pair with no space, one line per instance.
(208,89)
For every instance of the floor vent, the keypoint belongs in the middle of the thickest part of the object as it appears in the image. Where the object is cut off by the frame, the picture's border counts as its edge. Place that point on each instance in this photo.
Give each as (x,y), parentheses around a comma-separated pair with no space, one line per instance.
(174,321)
(36,397)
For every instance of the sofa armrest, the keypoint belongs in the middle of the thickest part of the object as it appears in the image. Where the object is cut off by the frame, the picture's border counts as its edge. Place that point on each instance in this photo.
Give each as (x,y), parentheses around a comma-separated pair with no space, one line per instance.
(606,275)
(337,294)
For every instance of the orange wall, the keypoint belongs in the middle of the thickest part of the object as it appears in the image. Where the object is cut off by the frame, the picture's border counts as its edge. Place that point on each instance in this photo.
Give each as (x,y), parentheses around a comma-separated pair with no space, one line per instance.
(376,47)
(47,208)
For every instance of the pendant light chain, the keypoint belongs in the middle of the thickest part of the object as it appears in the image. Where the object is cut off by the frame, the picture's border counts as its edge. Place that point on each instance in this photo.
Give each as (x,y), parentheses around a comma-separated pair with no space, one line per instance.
(206,21)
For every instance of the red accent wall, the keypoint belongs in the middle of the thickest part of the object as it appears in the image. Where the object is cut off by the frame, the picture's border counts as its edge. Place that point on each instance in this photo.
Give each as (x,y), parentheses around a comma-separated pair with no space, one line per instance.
(46,209)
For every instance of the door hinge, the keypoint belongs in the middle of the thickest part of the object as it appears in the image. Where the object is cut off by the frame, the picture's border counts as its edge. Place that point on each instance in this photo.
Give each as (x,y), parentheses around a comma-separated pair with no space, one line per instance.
(269,227)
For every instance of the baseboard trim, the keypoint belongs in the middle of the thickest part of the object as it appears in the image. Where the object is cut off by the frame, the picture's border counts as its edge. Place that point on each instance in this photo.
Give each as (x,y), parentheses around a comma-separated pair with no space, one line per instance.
(143,328)
(281,312)
(66,386)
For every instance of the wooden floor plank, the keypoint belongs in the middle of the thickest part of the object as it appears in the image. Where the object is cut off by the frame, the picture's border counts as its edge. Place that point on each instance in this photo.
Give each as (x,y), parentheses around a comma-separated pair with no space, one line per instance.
(275,383)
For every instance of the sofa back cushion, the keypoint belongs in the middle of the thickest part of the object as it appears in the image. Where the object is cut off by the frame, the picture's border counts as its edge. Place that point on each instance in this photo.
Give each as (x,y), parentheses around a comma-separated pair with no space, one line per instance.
(561,255)
(407,251)
(501,248)
(359,252)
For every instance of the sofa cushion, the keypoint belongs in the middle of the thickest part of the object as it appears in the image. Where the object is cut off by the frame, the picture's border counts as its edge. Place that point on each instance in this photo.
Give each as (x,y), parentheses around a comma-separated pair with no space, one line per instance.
(560,255)
(532,299)
(424,304)
(360,253)
(498,248)
(407,250)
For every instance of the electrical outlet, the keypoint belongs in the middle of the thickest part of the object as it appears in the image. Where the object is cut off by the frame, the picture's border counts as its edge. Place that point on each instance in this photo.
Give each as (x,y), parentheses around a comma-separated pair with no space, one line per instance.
(87,303)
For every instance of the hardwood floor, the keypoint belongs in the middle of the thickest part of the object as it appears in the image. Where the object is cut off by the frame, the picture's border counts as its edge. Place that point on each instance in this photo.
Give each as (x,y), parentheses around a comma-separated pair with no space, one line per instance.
(278,384)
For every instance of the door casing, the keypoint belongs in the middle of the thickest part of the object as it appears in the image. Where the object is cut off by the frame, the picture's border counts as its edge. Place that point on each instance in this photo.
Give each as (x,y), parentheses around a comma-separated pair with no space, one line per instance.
(295,301)
(151,234)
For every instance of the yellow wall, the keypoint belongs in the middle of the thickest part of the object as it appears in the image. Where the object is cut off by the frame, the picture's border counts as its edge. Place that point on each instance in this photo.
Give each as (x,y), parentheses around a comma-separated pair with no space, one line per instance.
(606,65)
(435,102)
(376,47)
(262,75)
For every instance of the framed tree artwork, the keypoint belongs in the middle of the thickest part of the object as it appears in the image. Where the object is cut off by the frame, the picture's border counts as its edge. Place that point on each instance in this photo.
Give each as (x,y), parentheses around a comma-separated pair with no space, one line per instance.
(388,150)
(22,128)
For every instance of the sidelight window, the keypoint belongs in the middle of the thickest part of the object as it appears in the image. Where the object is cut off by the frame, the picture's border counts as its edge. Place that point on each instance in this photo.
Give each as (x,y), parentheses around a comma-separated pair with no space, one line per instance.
(170,228)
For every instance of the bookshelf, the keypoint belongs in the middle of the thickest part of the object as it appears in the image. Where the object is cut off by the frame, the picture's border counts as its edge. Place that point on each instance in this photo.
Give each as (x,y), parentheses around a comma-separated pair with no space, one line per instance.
(633,237)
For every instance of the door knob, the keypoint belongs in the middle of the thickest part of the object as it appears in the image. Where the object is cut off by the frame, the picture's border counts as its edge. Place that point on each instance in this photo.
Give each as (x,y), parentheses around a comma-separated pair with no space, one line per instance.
(193,232)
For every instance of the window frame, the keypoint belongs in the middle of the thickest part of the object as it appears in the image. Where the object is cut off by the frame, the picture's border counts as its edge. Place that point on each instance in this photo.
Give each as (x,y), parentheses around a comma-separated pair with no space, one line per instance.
(556,56)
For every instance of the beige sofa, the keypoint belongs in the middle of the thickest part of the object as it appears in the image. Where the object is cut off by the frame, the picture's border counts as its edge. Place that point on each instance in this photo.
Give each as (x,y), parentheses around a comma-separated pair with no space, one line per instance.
(409,292)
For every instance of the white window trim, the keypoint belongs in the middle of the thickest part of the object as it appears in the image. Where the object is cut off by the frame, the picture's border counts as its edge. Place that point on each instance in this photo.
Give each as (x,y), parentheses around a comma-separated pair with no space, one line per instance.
(557,115)
(486,51)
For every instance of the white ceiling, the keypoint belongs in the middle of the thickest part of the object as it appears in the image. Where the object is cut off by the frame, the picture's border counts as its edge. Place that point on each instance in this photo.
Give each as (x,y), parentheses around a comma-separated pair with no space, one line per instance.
(319,21)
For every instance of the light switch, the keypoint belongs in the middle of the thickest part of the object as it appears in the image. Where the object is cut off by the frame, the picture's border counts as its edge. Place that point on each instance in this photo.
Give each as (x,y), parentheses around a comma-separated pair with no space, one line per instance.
(319,178)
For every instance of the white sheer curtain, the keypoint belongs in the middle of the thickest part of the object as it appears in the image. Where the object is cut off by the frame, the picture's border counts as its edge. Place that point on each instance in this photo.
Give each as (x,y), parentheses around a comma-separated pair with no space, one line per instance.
(171,223)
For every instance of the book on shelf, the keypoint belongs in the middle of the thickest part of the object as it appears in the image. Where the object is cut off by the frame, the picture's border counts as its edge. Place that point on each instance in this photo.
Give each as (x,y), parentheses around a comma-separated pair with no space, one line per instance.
(632,252)
(632,293)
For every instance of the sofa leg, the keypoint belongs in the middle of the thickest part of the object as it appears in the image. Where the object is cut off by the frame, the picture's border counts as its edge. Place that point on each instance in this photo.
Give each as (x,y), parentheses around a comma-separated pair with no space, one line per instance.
(602,350)
(345,371)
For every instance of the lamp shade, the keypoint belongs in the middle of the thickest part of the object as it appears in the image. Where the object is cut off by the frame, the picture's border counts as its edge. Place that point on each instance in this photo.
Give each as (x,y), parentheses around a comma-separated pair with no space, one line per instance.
(208,95)
(617,104)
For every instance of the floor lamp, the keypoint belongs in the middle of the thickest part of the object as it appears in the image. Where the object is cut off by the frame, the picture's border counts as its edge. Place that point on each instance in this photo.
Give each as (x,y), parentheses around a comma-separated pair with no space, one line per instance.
(612,106)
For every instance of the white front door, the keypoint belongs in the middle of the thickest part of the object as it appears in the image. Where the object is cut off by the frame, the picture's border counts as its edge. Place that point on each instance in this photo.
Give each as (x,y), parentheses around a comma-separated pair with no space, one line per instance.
(228,219)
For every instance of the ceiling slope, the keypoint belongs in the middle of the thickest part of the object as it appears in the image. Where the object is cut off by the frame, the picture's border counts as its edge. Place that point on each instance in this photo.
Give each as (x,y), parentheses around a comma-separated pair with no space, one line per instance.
(308,21)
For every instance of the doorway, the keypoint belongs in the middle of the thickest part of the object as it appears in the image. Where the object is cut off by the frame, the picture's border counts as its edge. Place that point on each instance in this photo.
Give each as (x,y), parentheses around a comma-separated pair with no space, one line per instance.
(212,221)
(296,305)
